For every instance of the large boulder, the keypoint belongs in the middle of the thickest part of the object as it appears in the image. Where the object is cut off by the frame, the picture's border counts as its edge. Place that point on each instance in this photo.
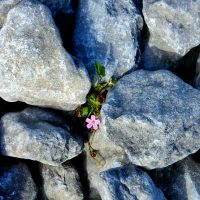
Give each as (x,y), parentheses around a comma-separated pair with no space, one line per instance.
(38,135)
(153,117)
(34,66)
(16,181)
(61,183)
(125,183)
(174,28)
(180,181)
(109,32)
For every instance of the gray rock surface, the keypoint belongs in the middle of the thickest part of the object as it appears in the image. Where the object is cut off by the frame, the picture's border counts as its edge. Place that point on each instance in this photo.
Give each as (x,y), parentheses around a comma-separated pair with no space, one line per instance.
(109,32)
(34,66)
(5,6)
(128,183)
(174,28)
(180,181)
(153,116)
(174,25)
(38,135)
(16,182)
(61,183)
(109,156)
(64,6)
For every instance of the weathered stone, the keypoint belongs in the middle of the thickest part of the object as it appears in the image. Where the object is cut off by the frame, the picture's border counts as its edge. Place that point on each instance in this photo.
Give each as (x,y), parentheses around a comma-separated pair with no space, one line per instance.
(56,6)
(174,30)
(110,156)
(61,183)
(180,181)
(38,135)
(127,183)
(174,25)
(5,6)
(34,67)
(109,32)
(153,116)
(16,182)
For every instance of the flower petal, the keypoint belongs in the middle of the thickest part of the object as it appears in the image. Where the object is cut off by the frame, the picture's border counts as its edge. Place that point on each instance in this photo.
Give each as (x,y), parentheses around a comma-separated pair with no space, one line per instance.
(93,117)
(95,127)
(89,126)
(97,121)
(88,120)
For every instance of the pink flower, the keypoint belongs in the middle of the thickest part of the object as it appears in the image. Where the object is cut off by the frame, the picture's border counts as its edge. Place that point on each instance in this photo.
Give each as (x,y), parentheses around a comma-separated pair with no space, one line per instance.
(93,122)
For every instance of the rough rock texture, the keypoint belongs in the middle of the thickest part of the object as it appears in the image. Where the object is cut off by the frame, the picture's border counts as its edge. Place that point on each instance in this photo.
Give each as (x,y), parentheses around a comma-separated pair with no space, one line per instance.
(5,6)
(109,32)
(127,183)
(34,67)
(153,116)
(174,25)
(16,182)
(197,78)
(180,181)
(61,183)
(174,28)
(38,135)
(108,157)
(56,6)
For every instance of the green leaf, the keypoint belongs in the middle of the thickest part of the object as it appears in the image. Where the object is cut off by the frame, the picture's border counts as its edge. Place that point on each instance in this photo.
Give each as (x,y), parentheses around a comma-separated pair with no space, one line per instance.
(100,86)
(100,70)
(84,111)
(92,101)
(112,82)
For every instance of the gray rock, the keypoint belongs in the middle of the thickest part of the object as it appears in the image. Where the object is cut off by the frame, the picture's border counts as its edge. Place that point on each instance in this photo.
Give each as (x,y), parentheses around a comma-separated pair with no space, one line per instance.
(109,32)
(34,67)
(38,135)
(174,30)
(128,183)
(174,25)
(197,78)
(16,182)
(64,6)
(5,6)
(109,156)
(153,116)
(180,181)
(61,183)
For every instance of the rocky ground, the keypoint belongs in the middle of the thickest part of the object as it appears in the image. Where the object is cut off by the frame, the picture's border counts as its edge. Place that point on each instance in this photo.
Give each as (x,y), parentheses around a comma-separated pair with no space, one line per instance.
(149,136)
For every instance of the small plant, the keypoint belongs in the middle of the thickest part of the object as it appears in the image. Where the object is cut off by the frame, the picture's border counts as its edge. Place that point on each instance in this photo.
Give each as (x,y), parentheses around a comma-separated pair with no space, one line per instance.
(96,97)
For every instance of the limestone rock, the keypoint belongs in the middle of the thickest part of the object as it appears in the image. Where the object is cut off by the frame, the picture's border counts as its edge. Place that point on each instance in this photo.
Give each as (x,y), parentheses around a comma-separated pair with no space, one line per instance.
(16,182)
(174,25)
(109,32)
(180,181)
(174,28)
(5,6)
(61,183)
(153,117)
(127,183)
(38,135)
(34,66)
